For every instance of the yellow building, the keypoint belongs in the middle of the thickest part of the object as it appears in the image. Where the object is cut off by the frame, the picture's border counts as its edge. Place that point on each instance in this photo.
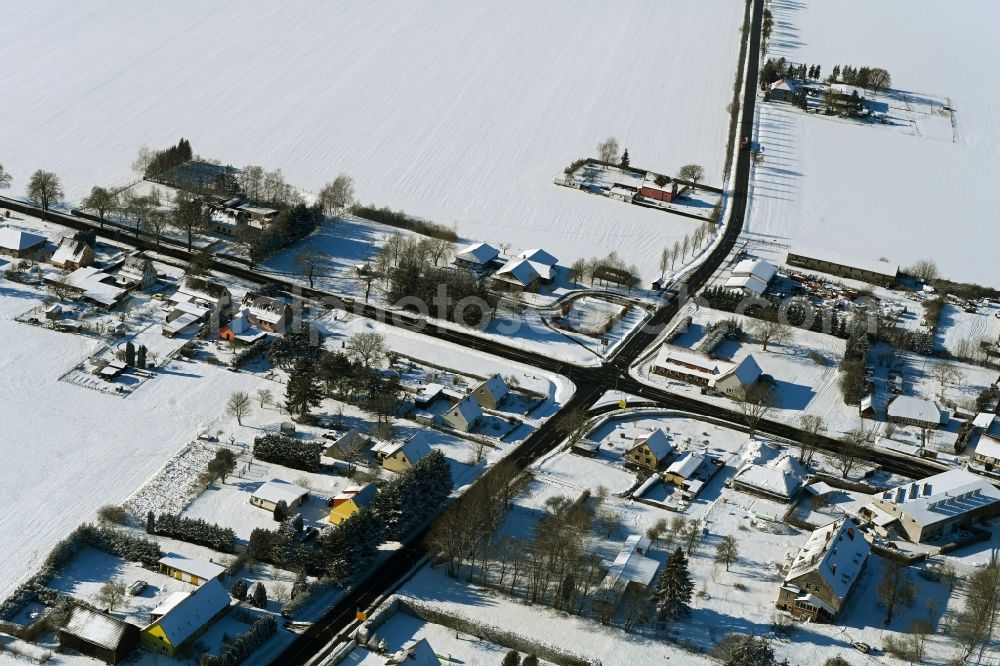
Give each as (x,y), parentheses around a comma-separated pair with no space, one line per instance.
(350,501)
(649,450)
(191,569)
(183,617)
(401,456)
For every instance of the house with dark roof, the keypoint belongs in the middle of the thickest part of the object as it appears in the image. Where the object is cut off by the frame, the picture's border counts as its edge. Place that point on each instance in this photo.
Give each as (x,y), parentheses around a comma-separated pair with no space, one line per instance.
(98,635)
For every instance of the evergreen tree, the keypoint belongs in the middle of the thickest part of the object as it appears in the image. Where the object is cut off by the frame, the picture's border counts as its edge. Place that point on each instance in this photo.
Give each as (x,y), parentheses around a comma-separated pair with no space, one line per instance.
(512,658)
(530,660)
(280,511)
(674,588)
(835,75)
(303,391)
(625,164)
(239,589)
(140,360)
(297,522)
(259,595)
(129,354)
(150,523)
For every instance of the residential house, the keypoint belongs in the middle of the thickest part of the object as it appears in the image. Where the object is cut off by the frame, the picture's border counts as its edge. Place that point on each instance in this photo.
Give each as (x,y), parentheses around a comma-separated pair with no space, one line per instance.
(72,254)
(257,215)
(192,570)
(623,192)
(21,244)
(195,301)
(751,277)
(136,273)
(419,653)
(824,572)
(650,450)
(92,285)
(463,415)
(779,478)
(266,313)
(738,378)
(517,275)
(631,569)
(936,506)
(491,392)
(666,193)
(269,494)
(427,395)
(988,451)
(542,262)
(350,440)
(908,410)
(183,617)
(783,90)
(983,421)
(241,329)
(401,456)
(98,635)
(825,261)
(685,469)
(351,500)
(476,257)
(688,366)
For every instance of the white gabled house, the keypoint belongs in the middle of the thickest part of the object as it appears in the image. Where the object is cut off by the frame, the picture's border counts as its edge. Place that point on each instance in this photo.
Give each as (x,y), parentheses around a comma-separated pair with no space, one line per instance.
(463,415)
(491,392)
(739,378)
(269,494)
(630,569)
(751,277)
(908,410)
(477,256)
(517,275)
(136,273)
(72,254)
(650,450)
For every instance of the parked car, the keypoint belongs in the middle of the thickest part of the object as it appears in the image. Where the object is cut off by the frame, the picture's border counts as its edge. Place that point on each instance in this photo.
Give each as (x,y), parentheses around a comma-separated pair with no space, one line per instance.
(137,587)
(862,647)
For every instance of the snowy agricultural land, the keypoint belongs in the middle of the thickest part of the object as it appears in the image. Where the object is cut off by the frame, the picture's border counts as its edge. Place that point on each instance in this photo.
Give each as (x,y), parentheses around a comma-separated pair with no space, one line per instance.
(459,112)
(921,191)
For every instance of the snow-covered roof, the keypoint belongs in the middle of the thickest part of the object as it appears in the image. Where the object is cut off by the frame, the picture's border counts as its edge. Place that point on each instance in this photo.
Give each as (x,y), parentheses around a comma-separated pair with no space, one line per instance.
(95,628)
(746,283)
(941,496)
(257,210)
(478,253)
(918,409)
(241,327)
(190,614)
(276,490)
(69,251)
(747,371)
(679,359)
(15,239)
(191,308)
(539,256)
(202,289)
(686,465)
(847,89)
(988,446)
(134,268)
(897,446)
(419,653)
(758,268)
(870,265)
(784,84)
(496,386)
(837,552)
(984,420)
(429,392)
(95,285)
(179,324)
(658,443)
(415,448)
(193,565)
(265,308)
(520,271)
(362,495)
(468,408)
(782,476)
(630,566)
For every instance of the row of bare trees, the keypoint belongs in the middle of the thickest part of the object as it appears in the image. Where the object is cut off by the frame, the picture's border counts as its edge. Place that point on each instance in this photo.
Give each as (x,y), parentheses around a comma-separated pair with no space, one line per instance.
(679,250)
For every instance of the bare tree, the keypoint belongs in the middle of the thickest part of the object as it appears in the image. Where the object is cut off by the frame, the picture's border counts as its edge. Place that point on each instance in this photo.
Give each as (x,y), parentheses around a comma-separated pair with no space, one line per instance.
(685,245)
(338,196)
(156,224)
(5,178)
(239,406)
(111,594)
(770,330)
(691,173)
(142,160)
(925,269)
(251,180)
(440,249)
(664,260)
(946,373)
(975,623)
(676,253)
(691,534)
(574,425)
(264,397)
(812,427)
(894,589)
(852,450)
(879,78)
(366,348)
(44,189)
(309,263)
(101,201)
(608,150)
(754,403)
(727,551)
(190,216)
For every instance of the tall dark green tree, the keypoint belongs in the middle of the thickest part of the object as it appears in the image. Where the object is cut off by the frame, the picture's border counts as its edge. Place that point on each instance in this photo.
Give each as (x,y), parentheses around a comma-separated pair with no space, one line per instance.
(140,359)
(674,588)
(625,160)
(303,391)
(129,354)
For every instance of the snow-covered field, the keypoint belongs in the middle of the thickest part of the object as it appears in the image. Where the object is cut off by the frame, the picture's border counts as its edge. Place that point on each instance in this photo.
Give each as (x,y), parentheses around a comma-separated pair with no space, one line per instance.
(873,191)
(462,112)
(64,454)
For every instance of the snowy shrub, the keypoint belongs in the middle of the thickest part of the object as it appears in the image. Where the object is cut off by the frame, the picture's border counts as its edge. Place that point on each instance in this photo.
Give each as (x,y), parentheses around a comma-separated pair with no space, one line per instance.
(240,647)
(403,221)
(197,531)
(289,452)
(112,513)
(245,355)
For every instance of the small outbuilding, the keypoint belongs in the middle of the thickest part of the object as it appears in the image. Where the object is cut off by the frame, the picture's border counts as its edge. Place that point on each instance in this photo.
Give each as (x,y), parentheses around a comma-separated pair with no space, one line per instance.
(98,635)
(269,494)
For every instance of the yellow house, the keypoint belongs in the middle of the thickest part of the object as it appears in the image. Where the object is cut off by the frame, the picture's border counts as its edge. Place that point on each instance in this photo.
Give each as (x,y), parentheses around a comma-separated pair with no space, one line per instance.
(191,569)
(183,617)
(649,450)
(350,501)
(401,456)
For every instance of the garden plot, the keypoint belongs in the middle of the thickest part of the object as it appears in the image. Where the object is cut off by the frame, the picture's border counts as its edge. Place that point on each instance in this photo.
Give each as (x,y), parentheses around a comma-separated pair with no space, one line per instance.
(960,331)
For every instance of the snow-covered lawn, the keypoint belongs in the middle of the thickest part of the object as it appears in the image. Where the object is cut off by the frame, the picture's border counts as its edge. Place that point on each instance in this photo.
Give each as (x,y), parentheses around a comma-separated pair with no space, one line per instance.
(870,191)
(460,112)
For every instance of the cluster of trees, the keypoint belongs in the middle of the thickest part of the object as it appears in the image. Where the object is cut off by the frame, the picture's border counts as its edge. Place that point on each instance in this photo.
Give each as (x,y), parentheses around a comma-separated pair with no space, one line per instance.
(413,496)
(853,380)
(679,250)
(401,220)
(512,658)
(288,452)
(240,647)
(874,78)
(766,28)
(609,269)
(292,224)
(155,163)
(267,187)
(776,69)
(796,312)
(192,530)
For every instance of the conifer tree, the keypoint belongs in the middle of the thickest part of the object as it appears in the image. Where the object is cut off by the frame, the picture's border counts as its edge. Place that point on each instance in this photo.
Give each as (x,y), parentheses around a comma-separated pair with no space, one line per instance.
(674,588)
(240,589)
(303,391)
(129,354)
(140,360)
(280,510)
(150,523)
(625,159)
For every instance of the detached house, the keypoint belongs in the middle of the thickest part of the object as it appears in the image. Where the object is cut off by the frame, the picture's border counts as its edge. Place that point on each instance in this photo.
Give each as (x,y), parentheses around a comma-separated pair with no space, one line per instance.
(351,500)
(136,273)
(491,393)
(72,254)
(824,572)
(464,415)
(98,635)
(269,494)
(907,410)
(650,450)
(191,569)
(20,244)
(542,262)
(517,275)
(630,569)
(266,313)
(476,257)
(183,617)
(400,456)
